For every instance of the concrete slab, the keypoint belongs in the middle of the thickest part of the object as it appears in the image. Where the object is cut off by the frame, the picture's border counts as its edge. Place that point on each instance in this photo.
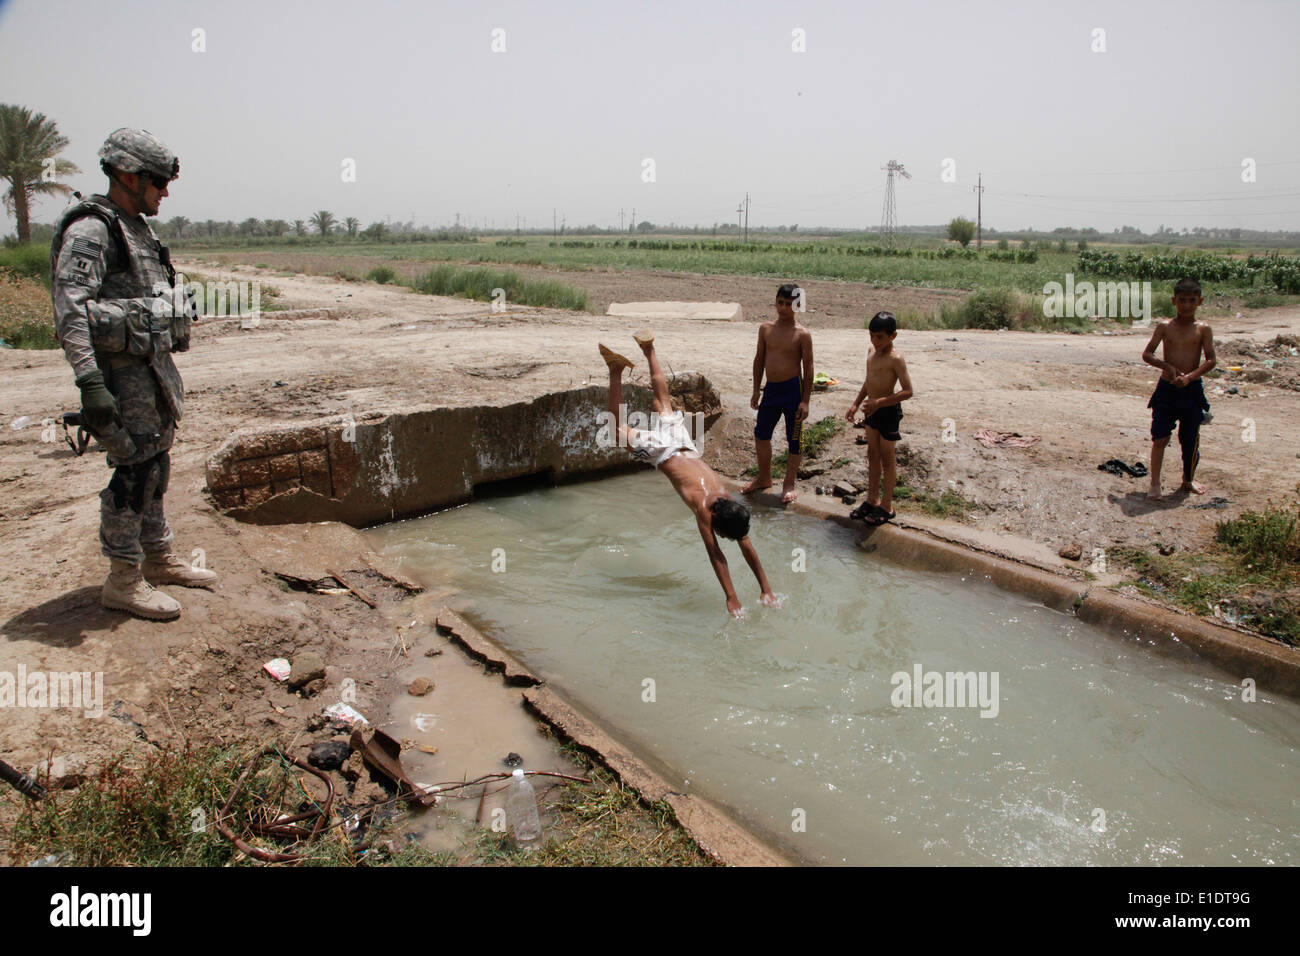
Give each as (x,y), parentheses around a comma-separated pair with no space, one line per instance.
(676,310)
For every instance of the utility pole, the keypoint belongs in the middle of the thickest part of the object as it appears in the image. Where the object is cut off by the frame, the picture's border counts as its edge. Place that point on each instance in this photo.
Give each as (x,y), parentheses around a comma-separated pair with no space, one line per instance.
(631,226)
(620,221)
(740,216)
(979,212)
(555,223)
(746,217)
(516,224)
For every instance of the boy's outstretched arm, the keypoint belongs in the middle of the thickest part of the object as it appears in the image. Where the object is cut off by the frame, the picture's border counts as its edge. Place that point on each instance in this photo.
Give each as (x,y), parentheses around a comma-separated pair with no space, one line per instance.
(719,562)
(751,558)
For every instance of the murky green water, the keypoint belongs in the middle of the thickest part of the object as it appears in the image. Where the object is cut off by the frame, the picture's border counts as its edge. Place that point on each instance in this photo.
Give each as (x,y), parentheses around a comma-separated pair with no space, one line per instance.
(1102,751)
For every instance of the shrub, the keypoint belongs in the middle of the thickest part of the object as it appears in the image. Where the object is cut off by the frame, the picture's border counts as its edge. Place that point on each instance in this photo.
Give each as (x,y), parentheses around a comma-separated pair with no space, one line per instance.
(1265,539)
(381,274)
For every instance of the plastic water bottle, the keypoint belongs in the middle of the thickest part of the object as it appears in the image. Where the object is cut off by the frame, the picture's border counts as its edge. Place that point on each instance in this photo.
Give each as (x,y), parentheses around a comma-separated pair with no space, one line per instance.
(521,808)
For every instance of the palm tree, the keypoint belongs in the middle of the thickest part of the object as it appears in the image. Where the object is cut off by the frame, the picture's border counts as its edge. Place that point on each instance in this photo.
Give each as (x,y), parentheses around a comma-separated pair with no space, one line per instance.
(177,226)
(352,223)
(277,227)
(300,227)
(29,144)
(324,221)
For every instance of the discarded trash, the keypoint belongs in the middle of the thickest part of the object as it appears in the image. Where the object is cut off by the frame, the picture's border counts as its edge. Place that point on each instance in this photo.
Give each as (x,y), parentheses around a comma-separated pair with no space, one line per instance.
(54,859)
(990,438)
(21,782)
(19,423)
(424,722)
(329,754)
(383,753)
(278,384)
(513,759)
(1116,467)
(345,713)
(521,809)
(279,668)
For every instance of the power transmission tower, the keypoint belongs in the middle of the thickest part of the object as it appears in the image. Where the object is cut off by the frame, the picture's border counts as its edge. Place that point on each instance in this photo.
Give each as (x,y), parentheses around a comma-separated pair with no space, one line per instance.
(889,215)
(979,212)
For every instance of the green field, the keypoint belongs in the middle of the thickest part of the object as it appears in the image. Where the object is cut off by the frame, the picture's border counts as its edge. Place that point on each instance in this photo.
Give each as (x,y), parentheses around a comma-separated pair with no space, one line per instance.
(819,258)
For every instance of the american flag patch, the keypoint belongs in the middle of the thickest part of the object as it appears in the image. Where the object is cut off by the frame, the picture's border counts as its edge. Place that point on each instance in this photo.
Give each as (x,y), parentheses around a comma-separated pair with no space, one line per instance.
(85,247)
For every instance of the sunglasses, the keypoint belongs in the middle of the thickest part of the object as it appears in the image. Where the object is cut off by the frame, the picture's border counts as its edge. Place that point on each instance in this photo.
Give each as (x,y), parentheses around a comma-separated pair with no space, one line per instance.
(159,182)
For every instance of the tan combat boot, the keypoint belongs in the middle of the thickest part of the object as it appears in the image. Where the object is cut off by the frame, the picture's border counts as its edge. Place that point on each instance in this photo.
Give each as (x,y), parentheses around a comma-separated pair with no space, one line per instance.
(127,590)
(163,567)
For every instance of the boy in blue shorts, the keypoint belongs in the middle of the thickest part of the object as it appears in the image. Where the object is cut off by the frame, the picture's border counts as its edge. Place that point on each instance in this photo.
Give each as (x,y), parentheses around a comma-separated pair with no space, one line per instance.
(784,347)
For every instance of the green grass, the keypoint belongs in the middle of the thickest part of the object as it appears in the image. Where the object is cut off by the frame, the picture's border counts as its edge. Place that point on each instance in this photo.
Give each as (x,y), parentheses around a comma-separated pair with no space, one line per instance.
(1253,575)
(481,284)
(947,504)
(138,810)
(1266,539)
(381,274)
(30,260)
(992,308)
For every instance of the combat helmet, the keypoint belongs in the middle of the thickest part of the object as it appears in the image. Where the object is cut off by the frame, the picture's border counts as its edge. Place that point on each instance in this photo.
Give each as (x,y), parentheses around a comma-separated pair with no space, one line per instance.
(138,150)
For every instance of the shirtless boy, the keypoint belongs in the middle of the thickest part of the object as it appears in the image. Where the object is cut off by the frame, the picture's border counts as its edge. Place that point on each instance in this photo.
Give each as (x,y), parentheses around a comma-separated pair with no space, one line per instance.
(885,369)
(1180,394)
(668,446)
(783,346)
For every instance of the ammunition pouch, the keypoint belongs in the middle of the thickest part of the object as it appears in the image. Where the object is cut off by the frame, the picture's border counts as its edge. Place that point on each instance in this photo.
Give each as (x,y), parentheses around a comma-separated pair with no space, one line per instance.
(141,327)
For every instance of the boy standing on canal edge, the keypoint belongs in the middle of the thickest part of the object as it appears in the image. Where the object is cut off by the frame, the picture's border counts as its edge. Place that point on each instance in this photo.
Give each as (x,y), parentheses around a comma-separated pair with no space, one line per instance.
(885,369)
(783,347)
(1180,395)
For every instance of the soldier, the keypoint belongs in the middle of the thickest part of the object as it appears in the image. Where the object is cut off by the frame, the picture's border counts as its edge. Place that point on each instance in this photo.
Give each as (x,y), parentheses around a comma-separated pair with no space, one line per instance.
(114,316)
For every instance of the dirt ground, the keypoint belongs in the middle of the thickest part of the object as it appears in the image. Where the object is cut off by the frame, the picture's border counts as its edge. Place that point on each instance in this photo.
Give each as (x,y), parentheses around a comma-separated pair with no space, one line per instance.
(385,348)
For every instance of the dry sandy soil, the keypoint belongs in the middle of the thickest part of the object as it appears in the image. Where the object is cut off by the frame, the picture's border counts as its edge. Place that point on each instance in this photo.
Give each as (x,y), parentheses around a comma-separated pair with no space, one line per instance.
(385,348)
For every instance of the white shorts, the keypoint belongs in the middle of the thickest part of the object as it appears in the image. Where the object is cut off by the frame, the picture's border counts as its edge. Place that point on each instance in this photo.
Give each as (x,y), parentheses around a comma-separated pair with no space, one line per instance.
(666,437)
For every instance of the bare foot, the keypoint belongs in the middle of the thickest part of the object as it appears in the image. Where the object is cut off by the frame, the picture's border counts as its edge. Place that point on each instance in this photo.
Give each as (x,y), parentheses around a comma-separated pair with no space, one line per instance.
(613,359)
(1195,487)
(754,486)
(645,338)
(788,495)
(1154,494)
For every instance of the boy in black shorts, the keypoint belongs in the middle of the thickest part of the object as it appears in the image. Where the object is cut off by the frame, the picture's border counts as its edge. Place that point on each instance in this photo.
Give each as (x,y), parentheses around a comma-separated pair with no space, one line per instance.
(885,369)
(1179,398)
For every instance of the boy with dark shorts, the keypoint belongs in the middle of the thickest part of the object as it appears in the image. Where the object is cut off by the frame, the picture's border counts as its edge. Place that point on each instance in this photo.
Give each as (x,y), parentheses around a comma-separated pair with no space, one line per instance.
(784,346)
(1179,397)
(885,369)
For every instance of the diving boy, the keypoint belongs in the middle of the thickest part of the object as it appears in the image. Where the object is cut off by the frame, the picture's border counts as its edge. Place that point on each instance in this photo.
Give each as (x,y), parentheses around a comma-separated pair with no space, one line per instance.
(1180,395)
(668,446)
(784,346)
(885,369)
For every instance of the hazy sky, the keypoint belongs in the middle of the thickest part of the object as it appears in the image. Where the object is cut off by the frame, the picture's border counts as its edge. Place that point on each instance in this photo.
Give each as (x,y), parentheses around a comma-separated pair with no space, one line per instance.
(1152,130)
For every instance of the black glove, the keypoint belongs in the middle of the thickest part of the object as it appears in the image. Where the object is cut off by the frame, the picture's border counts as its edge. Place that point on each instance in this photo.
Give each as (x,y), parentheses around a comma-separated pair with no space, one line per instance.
(98,407)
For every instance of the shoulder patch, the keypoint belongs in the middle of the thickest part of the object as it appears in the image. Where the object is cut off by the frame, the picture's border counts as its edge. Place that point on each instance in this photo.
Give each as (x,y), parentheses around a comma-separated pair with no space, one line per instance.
(85,246)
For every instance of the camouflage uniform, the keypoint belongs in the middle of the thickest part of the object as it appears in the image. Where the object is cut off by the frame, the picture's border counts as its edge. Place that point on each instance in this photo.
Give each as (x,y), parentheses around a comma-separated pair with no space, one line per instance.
(107,271)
